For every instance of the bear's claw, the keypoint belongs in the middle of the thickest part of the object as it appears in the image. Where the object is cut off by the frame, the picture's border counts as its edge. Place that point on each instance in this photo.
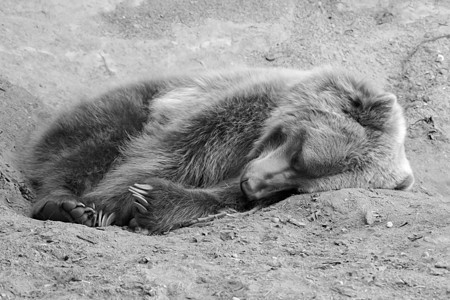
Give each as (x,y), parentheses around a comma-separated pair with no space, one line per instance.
(138,191)
(105,219)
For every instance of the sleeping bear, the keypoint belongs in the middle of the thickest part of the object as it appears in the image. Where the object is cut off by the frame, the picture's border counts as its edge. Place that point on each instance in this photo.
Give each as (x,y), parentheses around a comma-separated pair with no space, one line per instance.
(163,152)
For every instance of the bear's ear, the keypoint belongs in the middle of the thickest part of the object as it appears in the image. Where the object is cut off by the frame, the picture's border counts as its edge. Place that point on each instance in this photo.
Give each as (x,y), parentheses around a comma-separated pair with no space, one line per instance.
(388,99)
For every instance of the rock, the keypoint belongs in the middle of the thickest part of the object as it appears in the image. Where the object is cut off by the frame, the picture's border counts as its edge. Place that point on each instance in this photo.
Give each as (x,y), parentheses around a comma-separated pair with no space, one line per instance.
(227,235)
(442,265)
(369,217)
(414,237)
(314,215)
(274,263)
(273,55)
(144,260)
(389,224)
(296,223)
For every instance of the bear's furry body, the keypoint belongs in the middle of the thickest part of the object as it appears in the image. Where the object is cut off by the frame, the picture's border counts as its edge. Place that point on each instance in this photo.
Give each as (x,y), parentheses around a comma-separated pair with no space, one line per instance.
(205,142)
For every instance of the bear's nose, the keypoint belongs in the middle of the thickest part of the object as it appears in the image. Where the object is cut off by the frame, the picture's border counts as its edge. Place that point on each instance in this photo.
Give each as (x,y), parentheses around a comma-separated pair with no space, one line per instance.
(252,186)
(406,183)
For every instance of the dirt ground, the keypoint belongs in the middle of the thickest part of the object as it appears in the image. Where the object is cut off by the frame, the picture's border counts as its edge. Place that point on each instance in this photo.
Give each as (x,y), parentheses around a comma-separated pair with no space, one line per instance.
(306,247)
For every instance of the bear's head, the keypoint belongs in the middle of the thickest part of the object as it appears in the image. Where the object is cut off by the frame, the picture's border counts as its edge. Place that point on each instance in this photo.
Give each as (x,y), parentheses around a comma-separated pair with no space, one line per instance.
(330,131)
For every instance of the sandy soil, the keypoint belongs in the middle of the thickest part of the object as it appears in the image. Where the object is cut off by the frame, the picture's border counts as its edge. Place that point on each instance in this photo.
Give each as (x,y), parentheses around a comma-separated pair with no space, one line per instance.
(306,247)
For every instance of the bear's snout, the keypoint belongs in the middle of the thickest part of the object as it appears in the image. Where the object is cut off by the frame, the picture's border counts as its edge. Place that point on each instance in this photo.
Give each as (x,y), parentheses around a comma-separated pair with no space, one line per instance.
(253,188)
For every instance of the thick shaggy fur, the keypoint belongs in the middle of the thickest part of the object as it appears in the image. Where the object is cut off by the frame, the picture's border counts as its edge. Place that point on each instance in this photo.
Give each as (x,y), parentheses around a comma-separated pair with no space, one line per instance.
(207,142)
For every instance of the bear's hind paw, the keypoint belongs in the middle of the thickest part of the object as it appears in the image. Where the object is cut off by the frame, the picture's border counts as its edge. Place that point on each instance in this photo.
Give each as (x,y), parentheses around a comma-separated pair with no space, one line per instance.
(68,210)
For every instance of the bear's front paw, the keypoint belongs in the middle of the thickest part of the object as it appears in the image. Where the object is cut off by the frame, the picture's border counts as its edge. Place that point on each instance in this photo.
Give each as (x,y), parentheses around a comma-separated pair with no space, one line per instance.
(140,205)
(161,206)
(139,191)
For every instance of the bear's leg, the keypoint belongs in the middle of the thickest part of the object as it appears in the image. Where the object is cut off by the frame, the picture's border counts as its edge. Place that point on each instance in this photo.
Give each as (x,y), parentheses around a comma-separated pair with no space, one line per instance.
(162,205)
(141,191)
(159,205)
(64,206)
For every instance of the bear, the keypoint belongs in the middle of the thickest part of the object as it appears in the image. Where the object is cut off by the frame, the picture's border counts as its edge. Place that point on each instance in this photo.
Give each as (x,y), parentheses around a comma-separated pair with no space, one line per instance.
(162,152)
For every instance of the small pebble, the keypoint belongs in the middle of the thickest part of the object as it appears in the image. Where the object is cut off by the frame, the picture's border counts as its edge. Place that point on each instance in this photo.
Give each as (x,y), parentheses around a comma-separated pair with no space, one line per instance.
(272,56)
(369,217)
(296,223)
(227,235)
(438,272)
(389,224)
(144,260)
(275,263)
(426,98)
(275,220)
(442,265)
